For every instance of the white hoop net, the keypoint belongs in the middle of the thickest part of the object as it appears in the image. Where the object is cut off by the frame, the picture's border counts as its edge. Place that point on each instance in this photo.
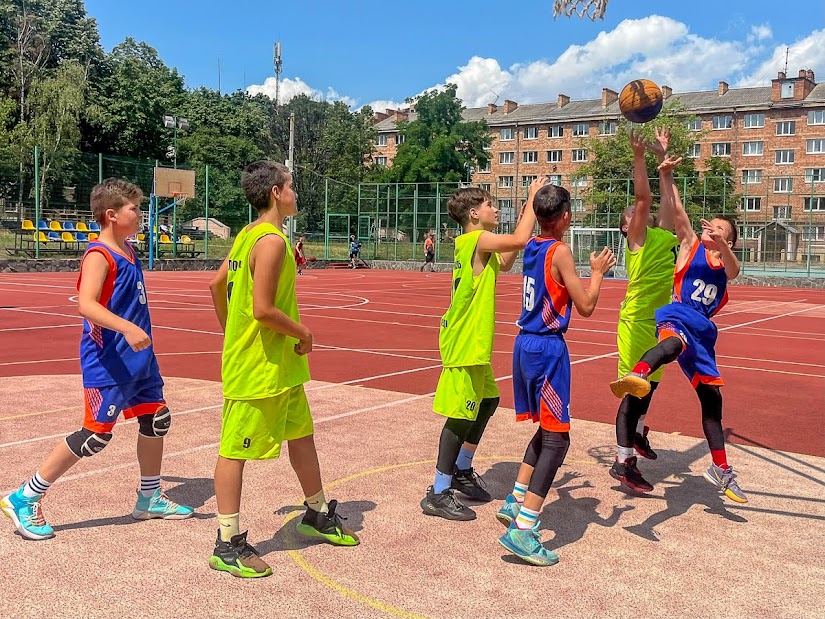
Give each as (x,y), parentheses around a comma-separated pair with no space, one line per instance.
(590,8)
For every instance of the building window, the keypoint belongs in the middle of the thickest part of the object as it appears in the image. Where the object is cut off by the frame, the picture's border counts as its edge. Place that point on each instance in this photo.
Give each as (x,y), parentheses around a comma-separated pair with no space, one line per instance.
(400,138)
(503,204)
(781,212)
(813,233)
(484,186)
(555,131)
(381,140)
(720,149)
(531,133)
(505,182)
(750,232)
(607,128)
(381,161)
(815,175)
(784,157)
(579,182)
(506,134)
(526,180)
(749,177)
(695,151)
(579,155)
(553,156)
(724,121)
(507,158)
(783,184)
(530,156)
(752,149)
(751,205)
(787,90)
(483,169)
(694,125)
(577,205)
(580,130)
(754,121)
(815,147)
(814,204)
(816,117)
(786,127)
(555,179)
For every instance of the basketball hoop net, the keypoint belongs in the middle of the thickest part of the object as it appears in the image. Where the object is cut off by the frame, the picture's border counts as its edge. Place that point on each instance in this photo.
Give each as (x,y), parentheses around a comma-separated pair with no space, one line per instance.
(179,197)
(591,8)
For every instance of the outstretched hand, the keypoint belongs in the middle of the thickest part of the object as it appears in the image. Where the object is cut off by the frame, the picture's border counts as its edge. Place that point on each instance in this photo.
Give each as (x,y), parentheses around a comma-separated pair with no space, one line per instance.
(603,262)
(669,163)
(637,143)
(659,146)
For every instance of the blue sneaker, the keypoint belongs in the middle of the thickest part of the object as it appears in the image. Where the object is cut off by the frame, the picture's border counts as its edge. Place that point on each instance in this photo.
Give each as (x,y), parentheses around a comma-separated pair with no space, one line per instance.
(27,515)
(526,545)
(160,506)
(508,511)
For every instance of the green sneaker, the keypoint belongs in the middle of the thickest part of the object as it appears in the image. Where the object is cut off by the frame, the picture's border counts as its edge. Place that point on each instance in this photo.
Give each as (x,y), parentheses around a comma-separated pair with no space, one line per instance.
(238,558)
(160,506)
(327,526)
(526,545)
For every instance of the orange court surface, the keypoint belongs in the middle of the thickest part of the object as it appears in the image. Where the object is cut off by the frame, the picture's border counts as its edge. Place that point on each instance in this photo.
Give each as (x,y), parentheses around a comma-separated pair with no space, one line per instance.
(681,551)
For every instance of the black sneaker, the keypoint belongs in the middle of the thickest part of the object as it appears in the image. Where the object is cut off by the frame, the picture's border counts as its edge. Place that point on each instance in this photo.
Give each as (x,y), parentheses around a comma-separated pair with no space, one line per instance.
(327,526)
(630,477)
(238,558)
(642,445)
(445,505)
(470,484)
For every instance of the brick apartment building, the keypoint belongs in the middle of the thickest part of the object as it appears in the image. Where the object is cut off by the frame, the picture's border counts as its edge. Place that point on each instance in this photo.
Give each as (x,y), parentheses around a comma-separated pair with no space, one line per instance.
(774,136)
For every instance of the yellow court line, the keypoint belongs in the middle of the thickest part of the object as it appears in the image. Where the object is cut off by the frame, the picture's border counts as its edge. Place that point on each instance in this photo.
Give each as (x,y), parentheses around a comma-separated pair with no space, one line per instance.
(331,583)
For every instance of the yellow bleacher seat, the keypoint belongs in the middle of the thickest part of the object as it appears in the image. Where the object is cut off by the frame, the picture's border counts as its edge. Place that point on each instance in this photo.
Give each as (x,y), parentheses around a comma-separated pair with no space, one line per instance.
(141,238)
(27,224)
(186,240)
(82,227)
(55,225)
(164,238)
(93,236)
(67,237)
(41,237)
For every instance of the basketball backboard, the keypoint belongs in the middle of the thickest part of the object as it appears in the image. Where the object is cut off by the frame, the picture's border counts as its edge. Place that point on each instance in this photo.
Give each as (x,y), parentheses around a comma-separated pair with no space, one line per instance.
(172,183)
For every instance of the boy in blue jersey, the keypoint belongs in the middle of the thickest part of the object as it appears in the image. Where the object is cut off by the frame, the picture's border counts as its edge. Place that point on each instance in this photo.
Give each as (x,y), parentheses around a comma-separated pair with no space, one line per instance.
(541,366)
(685,330)
(117,360)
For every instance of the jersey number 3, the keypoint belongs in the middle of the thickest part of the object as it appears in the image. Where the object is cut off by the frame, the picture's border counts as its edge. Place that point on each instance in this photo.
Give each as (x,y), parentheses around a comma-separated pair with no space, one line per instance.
(704,293)
(141,293)
(529,289)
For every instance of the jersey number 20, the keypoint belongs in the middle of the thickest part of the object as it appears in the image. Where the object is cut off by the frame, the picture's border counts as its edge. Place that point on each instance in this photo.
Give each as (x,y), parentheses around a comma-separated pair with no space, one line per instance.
(704,293)
(529,288)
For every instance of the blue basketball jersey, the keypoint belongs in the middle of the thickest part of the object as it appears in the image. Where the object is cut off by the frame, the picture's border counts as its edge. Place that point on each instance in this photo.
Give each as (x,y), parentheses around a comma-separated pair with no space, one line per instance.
(546,304)
(106,358)
(700,284)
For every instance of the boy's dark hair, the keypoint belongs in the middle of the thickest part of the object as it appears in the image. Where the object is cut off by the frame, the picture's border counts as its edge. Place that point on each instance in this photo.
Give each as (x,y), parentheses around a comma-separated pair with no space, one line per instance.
(258,179)
(113,193)
(734,230)
(463,200)
(550,203)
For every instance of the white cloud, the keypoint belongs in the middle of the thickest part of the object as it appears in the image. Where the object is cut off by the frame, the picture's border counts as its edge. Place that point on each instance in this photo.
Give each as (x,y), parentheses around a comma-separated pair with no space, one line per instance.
(293,87)
(384,104)
(760,33)
(807,53)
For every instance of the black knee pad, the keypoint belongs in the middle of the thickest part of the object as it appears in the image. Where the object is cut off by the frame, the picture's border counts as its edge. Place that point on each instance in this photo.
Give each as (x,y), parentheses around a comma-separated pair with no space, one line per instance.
(85,443)
(157,425)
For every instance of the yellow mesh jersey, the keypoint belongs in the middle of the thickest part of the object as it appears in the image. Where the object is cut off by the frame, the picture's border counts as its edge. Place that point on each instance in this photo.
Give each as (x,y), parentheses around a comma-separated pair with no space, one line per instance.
(258,362)
(466,335)
(650,275)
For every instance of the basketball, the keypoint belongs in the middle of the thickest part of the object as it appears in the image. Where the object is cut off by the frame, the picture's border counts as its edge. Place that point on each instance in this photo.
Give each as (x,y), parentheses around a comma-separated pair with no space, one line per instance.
(640,101)
(312,258)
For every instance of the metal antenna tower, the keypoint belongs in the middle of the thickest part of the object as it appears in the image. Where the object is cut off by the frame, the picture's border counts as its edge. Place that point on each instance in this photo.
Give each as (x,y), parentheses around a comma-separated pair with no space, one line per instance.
(279,67)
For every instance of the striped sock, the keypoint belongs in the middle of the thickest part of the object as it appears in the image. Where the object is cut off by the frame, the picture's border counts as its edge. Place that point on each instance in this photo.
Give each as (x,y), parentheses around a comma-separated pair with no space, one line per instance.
(465,459)
(36,486)
(640,427)
(624,453)
(520,491)
(527,518)
(148,484)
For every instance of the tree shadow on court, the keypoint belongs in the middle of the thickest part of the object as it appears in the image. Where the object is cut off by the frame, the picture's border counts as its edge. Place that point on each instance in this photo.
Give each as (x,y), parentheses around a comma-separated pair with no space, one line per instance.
(288,538)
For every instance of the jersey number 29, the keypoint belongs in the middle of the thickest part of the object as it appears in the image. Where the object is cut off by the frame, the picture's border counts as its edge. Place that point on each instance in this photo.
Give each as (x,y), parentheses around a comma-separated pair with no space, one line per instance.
(704,293)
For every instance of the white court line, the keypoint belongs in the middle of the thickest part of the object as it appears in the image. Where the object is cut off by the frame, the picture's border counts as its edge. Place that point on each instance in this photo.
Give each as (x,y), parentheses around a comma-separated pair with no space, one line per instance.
(74,324)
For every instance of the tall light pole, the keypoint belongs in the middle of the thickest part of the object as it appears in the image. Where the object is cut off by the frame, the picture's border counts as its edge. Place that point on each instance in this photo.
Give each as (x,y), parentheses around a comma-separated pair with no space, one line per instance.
(171,121)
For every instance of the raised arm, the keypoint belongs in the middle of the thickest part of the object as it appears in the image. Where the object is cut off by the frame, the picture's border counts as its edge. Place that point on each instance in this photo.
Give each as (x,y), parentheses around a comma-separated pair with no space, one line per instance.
(584,299)
(659,148)
(501,243)
(637,227)
(681,221)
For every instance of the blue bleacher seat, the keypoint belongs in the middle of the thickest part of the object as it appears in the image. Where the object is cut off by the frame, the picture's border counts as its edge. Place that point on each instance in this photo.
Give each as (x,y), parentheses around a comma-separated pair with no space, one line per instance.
(42,225)
(67,225)
(81,237)
(54,236)
(94,226)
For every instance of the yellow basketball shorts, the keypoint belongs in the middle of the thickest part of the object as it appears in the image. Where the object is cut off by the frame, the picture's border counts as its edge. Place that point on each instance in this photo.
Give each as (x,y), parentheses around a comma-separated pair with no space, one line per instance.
(634,338)
(255,429)
(460,390)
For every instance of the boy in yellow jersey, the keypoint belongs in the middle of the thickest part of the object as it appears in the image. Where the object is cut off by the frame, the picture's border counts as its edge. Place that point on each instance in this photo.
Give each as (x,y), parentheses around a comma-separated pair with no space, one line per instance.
(264,368)
(651,255)
(467,393)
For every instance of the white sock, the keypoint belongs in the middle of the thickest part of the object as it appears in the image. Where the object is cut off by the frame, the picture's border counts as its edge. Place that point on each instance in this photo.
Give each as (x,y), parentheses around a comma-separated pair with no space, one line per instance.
(624,453)
(640,427)
(317,502)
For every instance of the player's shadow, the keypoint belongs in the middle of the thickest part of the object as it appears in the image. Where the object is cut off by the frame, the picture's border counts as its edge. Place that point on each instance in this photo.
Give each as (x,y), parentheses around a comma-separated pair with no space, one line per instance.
(500,478)
(288,538)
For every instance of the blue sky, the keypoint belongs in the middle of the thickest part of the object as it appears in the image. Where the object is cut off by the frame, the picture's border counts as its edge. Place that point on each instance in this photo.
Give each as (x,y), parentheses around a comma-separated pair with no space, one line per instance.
(382,52)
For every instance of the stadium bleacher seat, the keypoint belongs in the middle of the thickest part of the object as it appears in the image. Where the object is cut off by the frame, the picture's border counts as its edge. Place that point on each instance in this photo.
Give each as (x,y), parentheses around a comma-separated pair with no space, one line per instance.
(54,236)
(28,225)
(81,237)
(94,226)
(165,240)
(93,236)
(41,237)
(67,225)
(55,225)
(67,237)
(43,225)
(186,240)
(81,226)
